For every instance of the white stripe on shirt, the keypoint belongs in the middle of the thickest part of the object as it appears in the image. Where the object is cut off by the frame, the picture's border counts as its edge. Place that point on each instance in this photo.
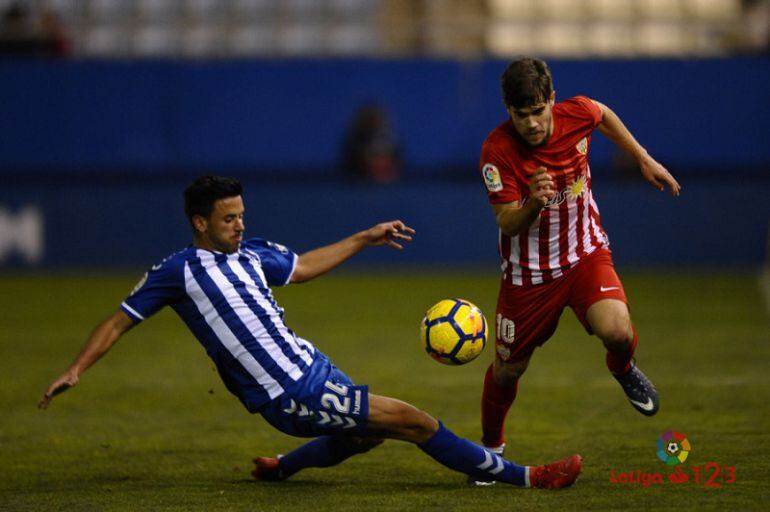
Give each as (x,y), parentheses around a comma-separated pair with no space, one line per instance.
(132,311)
(267,306)
(533,246)
(553,241)
(246,315)
(226,336)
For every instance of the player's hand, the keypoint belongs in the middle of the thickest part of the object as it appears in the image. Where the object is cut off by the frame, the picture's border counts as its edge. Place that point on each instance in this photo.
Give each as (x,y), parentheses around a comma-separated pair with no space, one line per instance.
(657,175)
(389,233)
(60,385)
(541,187)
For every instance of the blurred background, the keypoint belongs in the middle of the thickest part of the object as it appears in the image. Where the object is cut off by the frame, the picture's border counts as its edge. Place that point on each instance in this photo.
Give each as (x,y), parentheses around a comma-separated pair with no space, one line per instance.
(337,114)
(340,113)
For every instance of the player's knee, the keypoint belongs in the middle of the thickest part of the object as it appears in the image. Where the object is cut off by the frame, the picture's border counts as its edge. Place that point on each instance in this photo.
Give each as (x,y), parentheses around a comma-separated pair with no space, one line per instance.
(507,374)
(616,337)
(395,419)
(422,426)
(415,425)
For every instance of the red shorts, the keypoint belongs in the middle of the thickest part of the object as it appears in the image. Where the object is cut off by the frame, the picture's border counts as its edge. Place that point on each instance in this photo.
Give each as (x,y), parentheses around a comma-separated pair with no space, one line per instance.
(527,316)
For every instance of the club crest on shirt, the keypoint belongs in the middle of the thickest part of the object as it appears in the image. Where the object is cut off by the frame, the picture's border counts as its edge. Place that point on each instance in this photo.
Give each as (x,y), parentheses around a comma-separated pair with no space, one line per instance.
(582,146)
(492,178)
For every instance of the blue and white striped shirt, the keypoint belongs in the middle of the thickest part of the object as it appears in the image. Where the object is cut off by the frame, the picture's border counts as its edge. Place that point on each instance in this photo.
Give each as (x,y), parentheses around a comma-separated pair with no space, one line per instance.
(225,300)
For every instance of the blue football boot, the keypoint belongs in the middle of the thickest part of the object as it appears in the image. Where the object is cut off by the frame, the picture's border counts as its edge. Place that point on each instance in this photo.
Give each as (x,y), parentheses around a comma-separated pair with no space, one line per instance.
(639,390)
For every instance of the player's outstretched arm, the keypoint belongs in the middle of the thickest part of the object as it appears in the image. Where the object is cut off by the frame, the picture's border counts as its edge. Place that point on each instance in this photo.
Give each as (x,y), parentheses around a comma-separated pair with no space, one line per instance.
(319,261)
(101,340)
(614,129)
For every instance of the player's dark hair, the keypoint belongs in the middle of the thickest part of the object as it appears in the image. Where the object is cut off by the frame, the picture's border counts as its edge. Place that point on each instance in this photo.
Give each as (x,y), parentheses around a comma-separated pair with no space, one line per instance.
(526,82)
(200,196)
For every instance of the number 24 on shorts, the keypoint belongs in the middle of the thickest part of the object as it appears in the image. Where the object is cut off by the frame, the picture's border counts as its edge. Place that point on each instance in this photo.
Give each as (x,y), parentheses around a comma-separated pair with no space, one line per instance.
(339,399)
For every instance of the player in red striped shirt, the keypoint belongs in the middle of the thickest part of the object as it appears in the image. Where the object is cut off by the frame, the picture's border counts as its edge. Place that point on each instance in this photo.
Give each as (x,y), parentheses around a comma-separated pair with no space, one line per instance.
(553,248)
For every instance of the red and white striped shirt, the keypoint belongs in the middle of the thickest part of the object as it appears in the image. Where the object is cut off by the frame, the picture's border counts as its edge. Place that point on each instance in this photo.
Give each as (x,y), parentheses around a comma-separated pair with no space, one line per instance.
(569,227)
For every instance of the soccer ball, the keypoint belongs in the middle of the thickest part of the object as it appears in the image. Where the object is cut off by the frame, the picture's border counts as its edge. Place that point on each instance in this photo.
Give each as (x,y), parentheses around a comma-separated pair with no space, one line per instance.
(673,447)
(454,331)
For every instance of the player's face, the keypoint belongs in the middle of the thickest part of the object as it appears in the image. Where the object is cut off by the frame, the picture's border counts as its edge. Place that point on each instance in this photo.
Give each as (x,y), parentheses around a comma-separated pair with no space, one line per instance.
(534,123)
(223,230)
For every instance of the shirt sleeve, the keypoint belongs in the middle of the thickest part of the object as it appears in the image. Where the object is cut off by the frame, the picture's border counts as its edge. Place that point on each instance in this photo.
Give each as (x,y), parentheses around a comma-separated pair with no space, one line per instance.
(588,109)
(159,286)
(498,175)
(278,261)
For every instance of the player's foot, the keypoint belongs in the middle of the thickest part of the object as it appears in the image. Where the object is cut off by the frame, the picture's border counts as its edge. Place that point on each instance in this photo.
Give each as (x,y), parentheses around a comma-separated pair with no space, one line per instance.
(497,450)
(639,390)
(556,475)
(267,469)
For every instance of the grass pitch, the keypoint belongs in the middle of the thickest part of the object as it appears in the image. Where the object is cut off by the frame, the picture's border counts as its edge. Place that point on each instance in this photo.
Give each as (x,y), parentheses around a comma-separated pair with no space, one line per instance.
(151,427)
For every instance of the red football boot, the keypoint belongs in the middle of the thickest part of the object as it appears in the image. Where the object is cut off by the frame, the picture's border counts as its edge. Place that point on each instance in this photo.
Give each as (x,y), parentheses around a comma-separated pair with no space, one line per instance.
(267,469)
(556,475)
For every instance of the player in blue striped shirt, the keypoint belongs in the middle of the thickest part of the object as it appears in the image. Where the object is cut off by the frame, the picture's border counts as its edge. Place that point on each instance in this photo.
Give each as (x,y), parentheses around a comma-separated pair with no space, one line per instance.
(220,287)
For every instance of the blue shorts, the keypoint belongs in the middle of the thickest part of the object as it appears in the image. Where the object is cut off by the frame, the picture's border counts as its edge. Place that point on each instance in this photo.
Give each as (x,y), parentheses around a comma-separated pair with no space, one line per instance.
(325,403)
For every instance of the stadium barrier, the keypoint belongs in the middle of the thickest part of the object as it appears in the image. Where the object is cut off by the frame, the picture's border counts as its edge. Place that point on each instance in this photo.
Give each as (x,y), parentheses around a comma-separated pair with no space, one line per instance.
(93,155)
(135,224)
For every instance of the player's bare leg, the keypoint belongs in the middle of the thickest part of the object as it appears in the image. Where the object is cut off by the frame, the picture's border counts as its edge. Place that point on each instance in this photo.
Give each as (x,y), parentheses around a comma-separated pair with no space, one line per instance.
(387,418)
(610,320)
(395,419)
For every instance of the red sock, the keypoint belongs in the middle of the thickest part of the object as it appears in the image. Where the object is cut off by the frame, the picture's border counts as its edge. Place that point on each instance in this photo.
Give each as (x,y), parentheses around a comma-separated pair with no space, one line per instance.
(619,361)
(495,403)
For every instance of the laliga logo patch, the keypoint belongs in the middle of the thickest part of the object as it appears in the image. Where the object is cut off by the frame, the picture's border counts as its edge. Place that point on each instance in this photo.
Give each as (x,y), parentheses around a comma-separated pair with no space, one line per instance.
(492,178)
(582,146)
(673,448)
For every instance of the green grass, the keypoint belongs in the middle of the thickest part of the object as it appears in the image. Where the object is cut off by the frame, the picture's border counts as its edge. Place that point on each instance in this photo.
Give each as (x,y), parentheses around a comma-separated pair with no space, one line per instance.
(151,426)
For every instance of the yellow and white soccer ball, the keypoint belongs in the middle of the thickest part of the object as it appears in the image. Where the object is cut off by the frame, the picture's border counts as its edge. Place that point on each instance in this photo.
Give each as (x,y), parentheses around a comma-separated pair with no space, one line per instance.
(454,331)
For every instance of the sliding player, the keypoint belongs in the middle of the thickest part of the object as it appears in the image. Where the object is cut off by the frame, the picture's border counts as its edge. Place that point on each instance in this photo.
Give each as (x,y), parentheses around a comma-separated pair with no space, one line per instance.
(220,287)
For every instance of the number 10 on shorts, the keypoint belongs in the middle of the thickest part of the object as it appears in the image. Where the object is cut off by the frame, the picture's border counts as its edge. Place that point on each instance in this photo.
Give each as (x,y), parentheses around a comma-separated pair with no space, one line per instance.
(506,329)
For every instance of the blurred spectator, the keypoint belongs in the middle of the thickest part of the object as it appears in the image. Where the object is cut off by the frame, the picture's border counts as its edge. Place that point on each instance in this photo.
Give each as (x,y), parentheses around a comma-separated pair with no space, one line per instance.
(757,31)
(24,33)
(370,149)
(53,31)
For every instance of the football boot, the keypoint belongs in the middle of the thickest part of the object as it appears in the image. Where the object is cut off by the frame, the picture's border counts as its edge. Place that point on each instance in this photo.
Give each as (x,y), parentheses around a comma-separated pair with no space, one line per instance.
(639,390)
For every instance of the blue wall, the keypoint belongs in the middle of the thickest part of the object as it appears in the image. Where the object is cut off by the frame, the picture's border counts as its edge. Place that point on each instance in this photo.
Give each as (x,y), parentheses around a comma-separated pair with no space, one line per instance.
(268,116)
(93,155)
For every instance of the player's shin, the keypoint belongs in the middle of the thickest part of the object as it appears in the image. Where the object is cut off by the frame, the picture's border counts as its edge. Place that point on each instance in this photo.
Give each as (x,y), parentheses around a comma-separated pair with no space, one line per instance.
(323,452)
(469,458)
(495,403)
(619,357)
